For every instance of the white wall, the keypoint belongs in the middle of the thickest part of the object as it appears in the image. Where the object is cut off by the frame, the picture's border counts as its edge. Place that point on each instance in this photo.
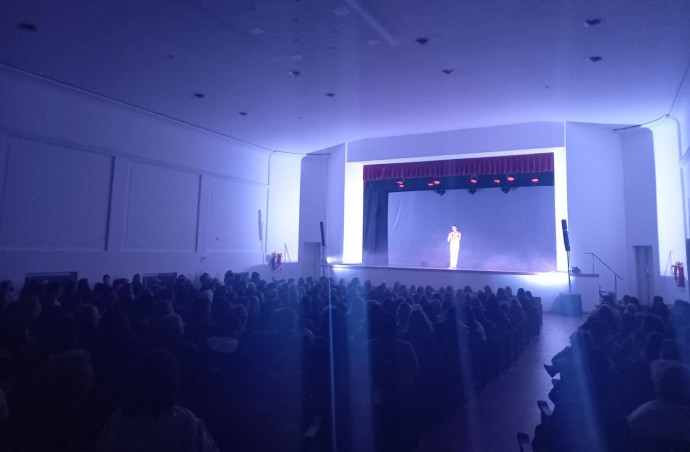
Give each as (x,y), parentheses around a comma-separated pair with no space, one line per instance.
(669,202)
(312,197)
(335,201)
(282,229)
(353,211)
(322,199)
(681,113)
(640,202)
(512,137)
(92,185)
(596,201)
(312,210)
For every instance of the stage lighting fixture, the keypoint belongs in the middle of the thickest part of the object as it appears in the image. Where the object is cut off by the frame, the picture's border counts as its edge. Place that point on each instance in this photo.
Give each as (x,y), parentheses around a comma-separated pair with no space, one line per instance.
(437,182)
(505,189)
(474,179)
(430,184)
(400,182)
(535,180)
(497,181)
(401,185)
(510,178)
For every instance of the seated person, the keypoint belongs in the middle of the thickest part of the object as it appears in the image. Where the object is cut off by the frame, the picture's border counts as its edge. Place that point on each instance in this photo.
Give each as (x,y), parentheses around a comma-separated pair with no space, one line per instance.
(150,420)
(668,416)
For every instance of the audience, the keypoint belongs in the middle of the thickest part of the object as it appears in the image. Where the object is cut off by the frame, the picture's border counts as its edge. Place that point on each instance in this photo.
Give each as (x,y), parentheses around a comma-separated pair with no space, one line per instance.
(135,365)
(623,383)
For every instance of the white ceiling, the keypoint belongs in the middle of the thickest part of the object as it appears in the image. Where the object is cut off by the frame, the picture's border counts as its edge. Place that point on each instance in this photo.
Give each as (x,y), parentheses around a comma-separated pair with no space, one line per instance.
(512,62)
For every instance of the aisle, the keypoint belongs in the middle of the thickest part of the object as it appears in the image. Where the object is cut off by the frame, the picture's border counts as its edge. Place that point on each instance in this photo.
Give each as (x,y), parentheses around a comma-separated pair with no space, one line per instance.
(507,404)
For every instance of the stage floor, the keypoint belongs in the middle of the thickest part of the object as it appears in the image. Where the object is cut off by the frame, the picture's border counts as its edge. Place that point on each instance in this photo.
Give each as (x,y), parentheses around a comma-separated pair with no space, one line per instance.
(443,269)
(547,285)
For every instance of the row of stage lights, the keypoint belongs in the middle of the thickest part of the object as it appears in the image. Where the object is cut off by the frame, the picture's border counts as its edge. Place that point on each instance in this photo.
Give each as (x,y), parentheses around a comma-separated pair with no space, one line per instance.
(473,180)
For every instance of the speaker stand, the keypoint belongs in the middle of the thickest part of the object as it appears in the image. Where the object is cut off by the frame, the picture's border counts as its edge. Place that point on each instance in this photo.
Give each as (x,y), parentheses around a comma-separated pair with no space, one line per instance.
(570,287)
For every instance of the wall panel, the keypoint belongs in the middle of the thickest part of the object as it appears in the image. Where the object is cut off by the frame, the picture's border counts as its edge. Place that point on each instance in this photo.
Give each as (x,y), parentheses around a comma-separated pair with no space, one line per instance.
(234,216)
(162,209)
(54,197)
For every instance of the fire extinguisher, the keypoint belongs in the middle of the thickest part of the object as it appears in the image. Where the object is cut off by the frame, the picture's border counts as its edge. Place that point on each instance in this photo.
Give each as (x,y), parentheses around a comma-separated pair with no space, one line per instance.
(679,274)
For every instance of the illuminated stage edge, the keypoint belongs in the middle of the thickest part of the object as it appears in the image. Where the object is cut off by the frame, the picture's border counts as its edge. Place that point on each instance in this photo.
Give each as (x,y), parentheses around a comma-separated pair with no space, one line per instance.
(546,285)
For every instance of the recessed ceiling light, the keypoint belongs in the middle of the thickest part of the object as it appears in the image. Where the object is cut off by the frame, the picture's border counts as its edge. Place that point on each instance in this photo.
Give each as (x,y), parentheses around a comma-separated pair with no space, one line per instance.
(330,94)
(243,113)
(199,95)
(256,31)
(341,11)
(295,73)
(422,41)
(593,22)
(447,71)
(296,57)
(28,27)
(594,59)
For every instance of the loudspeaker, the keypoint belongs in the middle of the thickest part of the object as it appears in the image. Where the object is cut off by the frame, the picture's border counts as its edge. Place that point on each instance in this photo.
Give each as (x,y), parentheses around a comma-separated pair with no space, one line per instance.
(566,239)
(323,237)
(569,304)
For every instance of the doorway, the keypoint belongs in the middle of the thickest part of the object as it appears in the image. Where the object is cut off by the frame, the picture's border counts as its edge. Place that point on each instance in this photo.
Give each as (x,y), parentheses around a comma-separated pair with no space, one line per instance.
(643,273)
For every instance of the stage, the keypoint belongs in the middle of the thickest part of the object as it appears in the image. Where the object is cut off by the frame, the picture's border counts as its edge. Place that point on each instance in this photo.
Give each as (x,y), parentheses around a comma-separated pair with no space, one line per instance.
(547,285)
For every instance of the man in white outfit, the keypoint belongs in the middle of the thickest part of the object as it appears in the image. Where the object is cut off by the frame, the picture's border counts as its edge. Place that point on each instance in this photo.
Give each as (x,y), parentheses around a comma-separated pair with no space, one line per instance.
(454,239)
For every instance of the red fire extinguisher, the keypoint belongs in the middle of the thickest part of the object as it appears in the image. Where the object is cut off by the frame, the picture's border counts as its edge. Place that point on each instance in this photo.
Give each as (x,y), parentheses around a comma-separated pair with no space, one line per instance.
(679,274)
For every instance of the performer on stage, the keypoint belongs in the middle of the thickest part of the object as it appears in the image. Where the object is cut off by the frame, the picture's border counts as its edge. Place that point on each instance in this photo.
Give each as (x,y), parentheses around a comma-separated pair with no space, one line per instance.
(454,239)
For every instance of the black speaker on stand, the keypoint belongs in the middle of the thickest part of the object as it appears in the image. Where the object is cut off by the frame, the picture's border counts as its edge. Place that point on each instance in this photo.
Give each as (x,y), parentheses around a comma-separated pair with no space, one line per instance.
(323,250)
(568,304)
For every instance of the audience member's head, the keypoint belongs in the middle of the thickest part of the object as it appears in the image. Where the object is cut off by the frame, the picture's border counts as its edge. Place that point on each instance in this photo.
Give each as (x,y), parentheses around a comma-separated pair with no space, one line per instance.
(65,378)
(153,384)
(284,320)
(168,328)
(671,381)
(229,326)
(419,324)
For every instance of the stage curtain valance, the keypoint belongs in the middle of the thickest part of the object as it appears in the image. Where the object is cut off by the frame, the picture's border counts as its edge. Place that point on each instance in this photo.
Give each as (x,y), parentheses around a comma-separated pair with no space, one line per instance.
(512,164)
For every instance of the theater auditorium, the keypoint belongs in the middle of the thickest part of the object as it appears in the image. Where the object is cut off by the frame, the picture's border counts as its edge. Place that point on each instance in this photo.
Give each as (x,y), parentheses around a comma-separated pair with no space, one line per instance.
(344,225)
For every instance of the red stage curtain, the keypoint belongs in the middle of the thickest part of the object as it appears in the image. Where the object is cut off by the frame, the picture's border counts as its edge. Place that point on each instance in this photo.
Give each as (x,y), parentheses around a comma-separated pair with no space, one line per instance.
(512,164)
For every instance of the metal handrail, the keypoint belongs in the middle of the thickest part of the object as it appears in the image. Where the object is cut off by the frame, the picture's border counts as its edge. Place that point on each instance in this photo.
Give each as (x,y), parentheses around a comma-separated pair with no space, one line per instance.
(616,275)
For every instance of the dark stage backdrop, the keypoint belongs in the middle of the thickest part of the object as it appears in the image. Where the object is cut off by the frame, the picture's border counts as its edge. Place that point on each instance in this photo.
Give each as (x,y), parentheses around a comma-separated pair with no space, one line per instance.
(503,232)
